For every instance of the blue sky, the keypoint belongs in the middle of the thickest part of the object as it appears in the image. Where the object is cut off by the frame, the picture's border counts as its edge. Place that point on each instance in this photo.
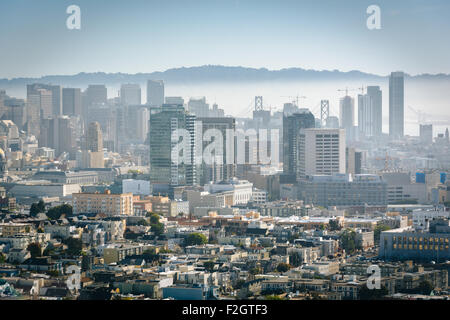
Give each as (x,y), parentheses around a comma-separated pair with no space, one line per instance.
(154,35)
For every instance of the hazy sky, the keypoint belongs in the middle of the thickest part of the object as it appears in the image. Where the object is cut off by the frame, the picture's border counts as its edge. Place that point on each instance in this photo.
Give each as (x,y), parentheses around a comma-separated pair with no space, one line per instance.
(153,35)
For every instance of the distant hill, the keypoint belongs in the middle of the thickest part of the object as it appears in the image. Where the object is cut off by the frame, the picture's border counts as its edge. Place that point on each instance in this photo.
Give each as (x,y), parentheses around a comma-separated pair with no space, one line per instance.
(206,74)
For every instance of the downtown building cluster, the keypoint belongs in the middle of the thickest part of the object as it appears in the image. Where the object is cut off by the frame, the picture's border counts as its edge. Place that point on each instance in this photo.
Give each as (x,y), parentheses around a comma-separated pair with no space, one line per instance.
(296,203)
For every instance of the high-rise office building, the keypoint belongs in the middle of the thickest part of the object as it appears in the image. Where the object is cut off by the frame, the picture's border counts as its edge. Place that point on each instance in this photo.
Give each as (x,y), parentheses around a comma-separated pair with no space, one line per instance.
(321,152)
(396,105)
(198,107)
(56,99)
(96,94)
(16,111)
(136,122)
(376,98)
(94,137)
(72,101)
(365,115)
(130,94)
(39,106)
(426,133)
(92,156)
(292,126)
(347,112)
(155,93)
(166,166)
(219,170)
(174,100)
(58,133)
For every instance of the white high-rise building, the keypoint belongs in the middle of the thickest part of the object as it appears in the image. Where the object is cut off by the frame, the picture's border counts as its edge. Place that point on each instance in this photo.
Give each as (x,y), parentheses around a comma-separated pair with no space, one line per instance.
(321,152)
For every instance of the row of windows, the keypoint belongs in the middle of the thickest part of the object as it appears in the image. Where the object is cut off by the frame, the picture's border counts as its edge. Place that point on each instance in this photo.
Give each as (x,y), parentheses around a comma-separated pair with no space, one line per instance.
(419,239)
(420,247)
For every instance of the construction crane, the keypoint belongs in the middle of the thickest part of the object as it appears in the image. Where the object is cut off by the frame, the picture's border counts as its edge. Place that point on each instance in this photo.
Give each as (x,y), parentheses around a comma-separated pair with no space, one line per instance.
(362,88)
(388,163)
(346,90)
(296,99)
(421,116)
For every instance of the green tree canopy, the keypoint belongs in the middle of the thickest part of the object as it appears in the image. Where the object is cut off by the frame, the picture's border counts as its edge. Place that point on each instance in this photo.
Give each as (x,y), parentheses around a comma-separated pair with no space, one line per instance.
(209,265)
(154,218)
(334,225)
(195,239)
(37,208)
(74,246)
(35,249)
(283,267)
(55,213)
(348,241)
(157,229)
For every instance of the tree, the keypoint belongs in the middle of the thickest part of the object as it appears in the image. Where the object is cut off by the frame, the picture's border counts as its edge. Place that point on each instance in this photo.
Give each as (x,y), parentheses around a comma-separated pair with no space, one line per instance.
(56,212)
(154,218)
(195,239)
(74,246)
(255,271)
(348,241)
(150,255)
(283,267)
(372,294)
(35,249)
(334,225)
(2,258)
(209,265)
(157,229)
(41,205)
(377,231)
(37,208)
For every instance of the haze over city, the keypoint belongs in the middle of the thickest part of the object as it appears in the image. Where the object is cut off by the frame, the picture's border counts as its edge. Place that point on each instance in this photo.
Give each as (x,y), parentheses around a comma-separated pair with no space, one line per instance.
(237,151)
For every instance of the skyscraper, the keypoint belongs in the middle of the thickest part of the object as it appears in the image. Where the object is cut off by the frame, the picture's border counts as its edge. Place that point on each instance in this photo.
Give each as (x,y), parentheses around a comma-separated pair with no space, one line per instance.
(376,97)
(396,105)
(365,115)
(93,157)
(198,107)
(292,126)
(155,93)
(347,112)
(71,101)
(39,106)
(166,168)
(219,170)
(57,133)
(130,94)
(94,137)
(56,99)
(96,94)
